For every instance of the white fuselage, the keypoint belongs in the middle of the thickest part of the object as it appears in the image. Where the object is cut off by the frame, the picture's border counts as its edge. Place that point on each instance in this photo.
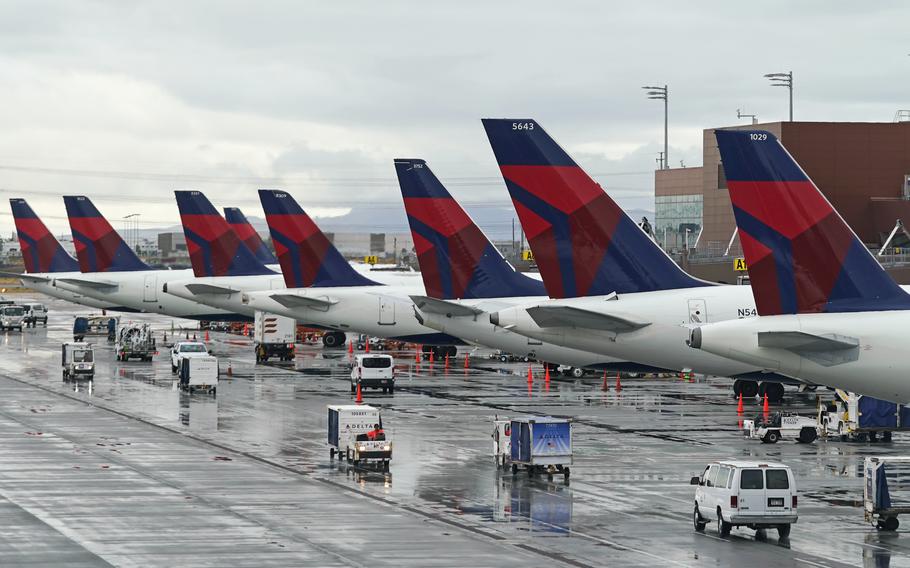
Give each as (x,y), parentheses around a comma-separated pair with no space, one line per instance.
(379,311)
(877,367)
(214,289)
(47,287)
(141,291)
(662,343)
(478,330)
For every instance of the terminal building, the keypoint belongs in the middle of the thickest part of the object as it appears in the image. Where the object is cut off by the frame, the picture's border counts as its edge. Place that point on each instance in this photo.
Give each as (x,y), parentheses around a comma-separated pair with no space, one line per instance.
(863,168)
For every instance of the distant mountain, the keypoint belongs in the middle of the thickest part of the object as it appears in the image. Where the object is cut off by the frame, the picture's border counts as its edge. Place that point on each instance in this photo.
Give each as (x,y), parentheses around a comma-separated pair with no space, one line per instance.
(495,220)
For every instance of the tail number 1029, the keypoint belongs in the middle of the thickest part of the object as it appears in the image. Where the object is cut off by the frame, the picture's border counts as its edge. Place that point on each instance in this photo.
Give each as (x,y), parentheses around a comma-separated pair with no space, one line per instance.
(759,136)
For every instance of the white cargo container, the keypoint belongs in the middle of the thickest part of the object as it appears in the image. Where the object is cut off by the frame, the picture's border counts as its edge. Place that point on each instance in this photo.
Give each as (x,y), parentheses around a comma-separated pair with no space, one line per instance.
(352,431)
(199,373)
(274,336)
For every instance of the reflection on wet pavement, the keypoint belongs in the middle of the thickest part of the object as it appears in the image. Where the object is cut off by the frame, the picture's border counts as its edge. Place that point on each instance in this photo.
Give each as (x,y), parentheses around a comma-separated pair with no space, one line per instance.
(628,503)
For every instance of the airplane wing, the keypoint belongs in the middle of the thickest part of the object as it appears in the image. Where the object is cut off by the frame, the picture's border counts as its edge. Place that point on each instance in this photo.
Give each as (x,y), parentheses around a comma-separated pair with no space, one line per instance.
(567,316)
(295,301)
(23,276)
(210,289)
(97,284)
(828,349)
(443,307)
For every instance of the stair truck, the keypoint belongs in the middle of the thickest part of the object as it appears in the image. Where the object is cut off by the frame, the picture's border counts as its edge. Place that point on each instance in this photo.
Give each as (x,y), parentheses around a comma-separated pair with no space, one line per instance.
(78,361)
(274,336)
(886,493)
(355,431)
(541,444)
(135,341)
(854,417)
(199,374)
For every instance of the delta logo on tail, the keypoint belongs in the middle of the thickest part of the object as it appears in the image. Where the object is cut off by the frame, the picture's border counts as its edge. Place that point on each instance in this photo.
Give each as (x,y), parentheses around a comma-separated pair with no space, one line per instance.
(306,255)
(250,237)
(801,255)
(99,247)
(583,242)
(215,248)
(457,261)
(41,251)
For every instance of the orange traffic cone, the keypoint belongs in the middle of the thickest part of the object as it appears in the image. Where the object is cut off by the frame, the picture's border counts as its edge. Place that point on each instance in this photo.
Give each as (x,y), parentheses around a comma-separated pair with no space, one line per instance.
(618,384)
(351,346)
(206,336)
(366,348)
(359,399)
(467,362)
(530,374)
(605,386)
(764,407)
(739,407)
(432,355)
(447,360)
(417,355)
(546,374)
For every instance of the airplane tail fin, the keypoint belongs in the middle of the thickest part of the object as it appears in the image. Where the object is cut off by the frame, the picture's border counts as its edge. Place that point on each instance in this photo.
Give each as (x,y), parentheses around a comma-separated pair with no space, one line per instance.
(801,255)
(457,261)
(306,255)
(99,247)
(584,244)
(41,251)
(250,237)
(215,249)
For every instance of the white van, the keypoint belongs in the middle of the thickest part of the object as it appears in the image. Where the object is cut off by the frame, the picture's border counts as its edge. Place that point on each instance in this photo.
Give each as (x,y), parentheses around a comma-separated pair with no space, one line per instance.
(373,371)
(186,350)
(12,317)
(757,495)
(34,314)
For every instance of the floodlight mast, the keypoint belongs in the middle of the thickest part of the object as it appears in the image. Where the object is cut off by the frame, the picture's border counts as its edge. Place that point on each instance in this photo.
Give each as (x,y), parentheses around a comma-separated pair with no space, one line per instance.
(783,80)
(660,94)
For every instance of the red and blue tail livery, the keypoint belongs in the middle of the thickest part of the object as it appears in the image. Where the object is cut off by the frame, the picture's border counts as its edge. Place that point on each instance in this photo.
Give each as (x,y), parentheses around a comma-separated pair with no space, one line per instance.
(215,248)
(99,247)
(306,255)
(583,242)
(41,251)
(250,237)
(801,255)
(456,259)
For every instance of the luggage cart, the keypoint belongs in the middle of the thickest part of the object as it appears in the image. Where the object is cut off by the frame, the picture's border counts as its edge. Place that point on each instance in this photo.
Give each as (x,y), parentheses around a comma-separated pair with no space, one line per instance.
(541,444)
(886,493)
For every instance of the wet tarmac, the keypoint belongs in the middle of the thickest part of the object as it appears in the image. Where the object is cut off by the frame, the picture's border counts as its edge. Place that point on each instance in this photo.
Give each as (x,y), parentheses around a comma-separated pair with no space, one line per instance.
(130,471)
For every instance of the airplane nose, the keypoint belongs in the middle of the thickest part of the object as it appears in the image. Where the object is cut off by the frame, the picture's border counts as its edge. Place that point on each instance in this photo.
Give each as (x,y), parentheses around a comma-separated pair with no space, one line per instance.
(695,338)
(494,318)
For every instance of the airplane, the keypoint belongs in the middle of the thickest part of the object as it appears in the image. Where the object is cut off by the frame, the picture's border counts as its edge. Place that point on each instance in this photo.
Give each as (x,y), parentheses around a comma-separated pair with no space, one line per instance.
(250,237)
(224,270)
(324,289)
(466,278)
(828,312)
(112,272)
(45,259)
(614,291)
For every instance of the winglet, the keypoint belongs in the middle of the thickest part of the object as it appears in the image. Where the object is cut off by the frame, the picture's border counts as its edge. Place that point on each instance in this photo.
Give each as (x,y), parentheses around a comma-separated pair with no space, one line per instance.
(99,247)
(41,251)
(801,255)
(215,249)
(583,242)
(306,255)
(457,261)
(250,237)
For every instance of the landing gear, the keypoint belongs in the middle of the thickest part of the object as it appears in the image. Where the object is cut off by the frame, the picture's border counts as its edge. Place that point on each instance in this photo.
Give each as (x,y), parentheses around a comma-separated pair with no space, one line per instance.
(334,339)
(440,351)
(745,387)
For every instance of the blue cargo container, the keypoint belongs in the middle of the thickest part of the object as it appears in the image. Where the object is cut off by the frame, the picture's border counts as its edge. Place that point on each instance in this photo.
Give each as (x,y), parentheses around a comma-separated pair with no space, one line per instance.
(542,444)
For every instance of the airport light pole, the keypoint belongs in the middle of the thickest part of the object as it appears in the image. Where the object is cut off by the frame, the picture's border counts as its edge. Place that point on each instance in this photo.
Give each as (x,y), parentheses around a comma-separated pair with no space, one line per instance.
(660,94)
(131,224)
(783,80)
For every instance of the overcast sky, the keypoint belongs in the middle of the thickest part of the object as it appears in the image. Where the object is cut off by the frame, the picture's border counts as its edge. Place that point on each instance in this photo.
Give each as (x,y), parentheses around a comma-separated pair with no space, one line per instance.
(127,101)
